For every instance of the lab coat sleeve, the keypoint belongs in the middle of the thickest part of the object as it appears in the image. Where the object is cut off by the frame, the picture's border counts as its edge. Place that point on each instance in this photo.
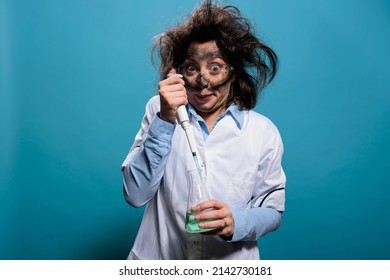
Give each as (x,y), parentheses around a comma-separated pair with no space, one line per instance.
(251,224)
(144,166)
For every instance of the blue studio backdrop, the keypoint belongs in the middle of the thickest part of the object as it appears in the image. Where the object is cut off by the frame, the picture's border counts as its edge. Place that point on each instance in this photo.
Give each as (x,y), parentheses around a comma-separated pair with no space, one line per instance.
(75,77)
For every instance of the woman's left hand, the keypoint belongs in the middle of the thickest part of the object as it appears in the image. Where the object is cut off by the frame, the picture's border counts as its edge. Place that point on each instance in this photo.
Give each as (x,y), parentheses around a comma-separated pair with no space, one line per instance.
(224,222)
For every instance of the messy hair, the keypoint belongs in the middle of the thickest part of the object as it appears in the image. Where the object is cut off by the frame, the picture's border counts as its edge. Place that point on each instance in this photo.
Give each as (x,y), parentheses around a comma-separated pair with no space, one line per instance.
(254,63)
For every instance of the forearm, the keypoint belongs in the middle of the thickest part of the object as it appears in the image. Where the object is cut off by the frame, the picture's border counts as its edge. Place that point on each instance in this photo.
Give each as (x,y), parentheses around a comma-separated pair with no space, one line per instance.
(143,172)
(251,224)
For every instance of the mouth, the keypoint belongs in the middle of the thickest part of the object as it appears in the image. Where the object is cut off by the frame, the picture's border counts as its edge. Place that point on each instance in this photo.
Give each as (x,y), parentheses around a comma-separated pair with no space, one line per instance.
(203,97)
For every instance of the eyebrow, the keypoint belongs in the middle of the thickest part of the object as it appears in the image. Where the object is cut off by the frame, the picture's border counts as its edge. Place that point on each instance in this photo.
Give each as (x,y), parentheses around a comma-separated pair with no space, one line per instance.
(194,55)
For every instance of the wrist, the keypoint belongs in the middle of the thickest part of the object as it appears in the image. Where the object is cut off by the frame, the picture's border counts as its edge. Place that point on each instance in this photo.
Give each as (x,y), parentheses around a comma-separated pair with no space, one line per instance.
(166,117)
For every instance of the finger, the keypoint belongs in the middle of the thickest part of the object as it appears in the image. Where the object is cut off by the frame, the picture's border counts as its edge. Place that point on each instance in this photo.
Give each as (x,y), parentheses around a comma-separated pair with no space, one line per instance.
(172,88)
(225,223)
(174,100)
(172,71)
(173,80)
(209,215)
(227,230)
(209,204)
(219,223)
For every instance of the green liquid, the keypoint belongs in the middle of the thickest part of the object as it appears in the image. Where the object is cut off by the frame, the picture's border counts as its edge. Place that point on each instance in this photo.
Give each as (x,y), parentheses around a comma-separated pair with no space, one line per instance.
(192,226)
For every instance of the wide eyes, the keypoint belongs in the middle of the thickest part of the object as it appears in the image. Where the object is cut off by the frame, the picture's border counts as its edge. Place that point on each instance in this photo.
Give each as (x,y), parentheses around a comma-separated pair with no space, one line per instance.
(190,68)
(212,68)
(215,68)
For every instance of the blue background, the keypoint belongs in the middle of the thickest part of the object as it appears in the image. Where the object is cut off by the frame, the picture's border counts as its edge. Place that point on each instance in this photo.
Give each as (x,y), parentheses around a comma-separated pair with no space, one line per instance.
(74,80)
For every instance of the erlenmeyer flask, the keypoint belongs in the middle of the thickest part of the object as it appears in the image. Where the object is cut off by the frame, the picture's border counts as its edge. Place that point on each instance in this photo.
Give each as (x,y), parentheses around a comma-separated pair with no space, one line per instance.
(197,194)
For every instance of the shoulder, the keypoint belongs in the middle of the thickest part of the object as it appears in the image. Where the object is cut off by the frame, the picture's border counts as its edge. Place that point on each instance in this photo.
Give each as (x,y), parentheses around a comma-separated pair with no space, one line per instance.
(256,120)
(261,127)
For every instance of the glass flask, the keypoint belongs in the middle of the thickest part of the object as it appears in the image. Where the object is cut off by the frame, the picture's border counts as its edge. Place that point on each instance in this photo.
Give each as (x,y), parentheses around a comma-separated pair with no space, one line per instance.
(197,194)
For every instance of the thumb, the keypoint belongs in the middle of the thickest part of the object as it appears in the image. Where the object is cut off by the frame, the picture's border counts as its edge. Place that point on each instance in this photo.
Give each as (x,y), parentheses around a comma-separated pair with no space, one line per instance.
(171,73)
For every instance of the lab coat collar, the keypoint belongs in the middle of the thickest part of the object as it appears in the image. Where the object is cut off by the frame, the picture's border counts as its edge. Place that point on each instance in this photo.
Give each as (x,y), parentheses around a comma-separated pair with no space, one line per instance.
(233,110)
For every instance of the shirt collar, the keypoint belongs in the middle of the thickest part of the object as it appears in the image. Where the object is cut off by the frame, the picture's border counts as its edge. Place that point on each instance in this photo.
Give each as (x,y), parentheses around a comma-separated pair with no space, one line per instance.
(233,110)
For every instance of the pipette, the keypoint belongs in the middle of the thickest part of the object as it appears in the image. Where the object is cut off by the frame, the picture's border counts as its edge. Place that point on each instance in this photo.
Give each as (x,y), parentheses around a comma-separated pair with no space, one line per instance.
(183,120)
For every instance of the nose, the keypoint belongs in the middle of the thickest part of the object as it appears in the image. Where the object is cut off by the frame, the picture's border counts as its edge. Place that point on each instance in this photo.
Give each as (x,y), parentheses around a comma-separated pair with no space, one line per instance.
(201,82)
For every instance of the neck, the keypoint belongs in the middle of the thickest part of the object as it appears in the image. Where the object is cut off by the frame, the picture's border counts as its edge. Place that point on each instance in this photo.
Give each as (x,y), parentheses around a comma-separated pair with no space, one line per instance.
(211,118)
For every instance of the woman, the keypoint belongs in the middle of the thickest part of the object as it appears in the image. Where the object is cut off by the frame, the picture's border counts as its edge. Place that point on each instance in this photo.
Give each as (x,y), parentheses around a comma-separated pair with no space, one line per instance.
(216,67)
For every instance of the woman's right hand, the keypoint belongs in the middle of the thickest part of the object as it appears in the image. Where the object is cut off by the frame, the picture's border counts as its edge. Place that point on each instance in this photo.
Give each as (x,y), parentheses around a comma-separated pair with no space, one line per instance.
(172,94)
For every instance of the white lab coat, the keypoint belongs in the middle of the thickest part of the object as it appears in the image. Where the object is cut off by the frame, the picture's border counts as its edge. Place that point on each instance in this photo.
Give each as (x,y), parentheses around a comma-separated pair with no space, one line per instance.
(242,167)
